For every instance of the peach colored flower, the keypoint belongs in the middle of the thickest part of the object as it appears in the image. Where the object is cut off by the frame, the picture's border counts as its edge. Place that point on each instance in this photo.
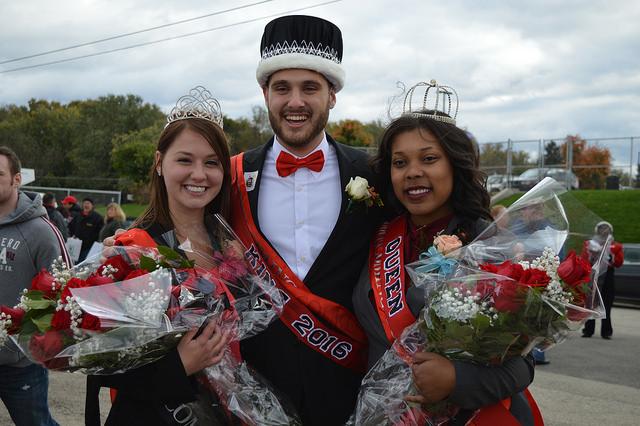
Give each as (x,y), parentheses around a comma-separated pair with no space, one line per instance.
(445,244)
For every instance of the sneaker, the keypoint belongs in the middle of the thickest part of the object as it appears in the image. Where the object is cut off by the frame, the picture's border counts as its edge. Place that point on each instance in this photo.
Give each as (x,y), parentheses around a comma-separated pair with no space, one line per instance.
(586,335)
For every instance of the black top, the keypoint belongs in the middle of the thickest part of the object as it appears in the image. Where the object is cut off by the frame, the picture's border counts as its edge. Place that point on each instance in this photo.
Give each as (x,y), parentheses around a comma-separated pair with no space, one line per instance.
(155,394)
(476,386)
(87,228)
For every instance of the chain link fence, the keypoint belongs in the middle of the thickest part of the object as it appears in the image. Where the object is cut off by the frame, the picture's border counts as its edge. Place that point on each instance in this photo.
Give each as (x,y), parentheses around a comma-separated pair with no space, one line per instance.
(522,163)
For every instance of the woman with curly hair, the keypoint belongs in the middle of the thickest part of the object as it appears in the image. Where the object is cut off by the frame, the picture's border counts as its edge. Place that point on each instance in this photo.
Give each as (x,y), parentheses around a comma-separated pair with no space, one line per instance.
(429,174)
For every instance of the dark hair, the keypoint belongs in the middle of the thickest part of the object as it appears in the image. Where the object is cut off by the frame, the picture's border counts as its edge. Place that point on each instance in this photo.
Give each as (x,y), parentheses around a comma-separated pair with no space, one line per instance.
(469,197)
(158,209)
(48,198)
(14,161)
(88,199)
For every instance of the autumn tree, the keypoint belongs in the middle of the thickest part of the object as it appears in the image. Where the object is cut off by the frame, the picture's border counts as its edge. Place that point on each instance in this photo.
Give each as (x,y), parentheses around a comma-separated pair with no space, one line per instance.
(591,163)
(493,156)
(351,132)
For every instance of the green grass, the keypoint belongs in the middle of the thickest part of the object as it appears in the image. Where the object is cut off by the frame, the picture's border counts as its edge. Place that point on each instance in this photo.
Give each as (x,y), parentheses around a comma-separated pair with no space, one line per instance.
(620,208)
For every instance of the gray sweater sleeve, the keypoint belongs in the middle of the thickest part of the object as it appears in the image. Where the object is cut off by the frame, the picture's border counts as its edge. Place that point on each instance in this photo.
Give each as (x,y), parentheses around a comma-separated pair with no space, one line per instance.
(478,386)
(44,245)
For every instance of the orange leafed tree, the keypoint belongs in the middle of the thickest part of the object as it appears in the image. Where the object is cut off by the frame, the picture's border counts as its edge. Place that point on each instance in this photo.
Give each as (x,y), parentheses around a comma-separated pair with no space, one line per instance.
(350,132)
(591,163)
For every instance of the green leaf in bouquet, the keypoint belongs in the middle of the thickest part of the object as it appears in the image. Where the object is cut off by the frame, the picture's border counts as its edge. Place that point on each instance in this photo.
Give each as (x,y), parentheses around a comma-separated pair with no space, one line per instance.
(35,304)
(43,322)
(169,253)
(148,263)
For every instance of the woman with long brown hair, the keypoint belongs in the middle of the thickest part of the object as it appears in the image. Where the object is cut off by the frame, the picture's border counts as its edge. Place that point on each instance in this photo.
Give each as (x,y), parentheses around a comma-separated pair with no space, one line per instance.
(190,182)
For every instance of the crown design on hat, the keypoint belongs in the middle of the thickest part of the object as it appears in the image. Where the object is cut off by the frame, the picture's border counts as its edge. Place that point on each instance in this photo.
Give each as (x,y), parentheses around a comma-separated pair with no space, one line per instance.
(199,103)
(446,100)
(301,42)
(305,47)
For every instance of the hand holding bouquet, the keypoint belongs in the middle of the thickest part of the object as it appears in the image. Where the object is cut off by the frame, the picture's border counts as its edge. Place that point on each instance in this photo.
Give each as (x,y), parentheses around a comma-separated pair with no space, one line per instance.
(494,299)
(113,316)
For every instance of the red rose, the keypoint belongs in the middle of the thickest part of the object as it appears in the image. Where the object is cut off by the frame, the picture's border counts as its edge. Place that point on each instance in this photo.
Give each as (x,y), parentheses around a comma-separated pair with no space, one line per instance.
(489,267)
(574,270)
(511,270)
(45,283)
(90,322)
(135,274)
(485,288)
(507,296)
(96,280)
(61,320)
(72,283)
(122,267)
(45,346)
(16,318)
(534,278)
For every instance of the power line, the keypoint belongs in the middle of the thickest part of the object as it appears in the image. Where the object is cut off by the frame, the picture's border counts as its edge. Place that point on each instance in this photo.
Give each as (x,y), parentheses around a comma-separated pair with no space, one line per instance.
(166,39)
(75,46)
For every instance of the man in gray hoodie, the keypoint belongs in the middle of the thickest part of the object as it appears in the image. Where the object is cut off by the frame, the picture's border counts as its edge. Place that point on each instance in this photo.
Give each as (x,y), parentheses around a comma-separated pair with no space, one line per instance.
(29,242)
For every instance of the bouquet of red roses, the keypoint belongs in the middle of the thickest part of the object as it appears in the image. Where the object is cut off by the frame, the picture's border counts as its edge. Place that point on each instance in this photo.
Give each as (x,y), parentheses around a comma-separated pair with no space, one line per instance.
(496,298)
(110,316)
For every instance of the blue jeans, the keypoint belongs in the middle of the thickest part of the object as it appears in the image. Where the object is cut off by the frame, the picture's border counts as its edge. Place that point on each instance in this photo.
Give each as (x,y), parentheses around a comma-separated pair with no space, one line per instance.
(24,393)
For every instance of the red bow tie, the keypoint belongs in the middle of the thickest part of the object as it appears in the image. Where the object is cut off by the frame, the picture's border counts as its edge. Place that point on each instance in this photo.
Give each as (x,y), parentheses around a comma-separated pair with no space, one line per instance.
(287,164)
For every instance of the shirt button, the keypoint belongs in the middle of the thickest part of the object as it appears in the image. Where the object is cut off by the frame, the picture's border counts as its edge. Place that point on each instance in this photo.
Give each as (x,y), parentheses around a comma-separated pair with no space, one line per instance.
(303,259)
(299,188)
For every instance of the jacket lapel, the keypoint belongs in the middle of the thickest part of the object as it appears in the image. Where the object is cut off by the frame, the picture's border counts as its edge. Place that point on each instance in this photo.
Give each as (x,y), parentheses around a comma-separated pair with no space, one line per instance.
(347,170)
(253,162)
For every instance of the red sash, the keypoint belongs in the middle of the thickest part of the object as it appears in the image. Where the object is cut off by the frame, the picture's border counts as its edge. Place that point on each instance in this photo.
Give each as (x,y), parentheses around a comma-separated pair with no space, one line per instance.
(387,277)
(386,273)
(323,325)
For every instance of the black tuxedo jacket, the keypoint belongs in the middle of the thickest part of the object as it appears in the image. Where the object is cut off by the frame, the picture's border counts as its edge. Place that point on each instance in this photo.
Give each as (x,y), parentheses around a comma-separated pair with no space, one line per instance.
(323,392)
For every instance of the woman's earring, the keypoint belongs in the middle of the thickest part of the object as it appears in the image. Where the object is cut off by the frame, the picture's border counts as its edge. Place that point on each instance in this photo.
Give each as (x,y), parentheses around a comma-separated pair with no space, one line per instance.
(159,173)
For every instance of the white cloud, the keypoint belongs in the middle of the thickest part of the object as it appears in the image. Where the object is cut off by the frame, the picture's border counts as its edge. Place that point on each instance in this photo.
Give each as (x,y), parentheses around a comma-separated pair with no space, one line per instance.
(523,70)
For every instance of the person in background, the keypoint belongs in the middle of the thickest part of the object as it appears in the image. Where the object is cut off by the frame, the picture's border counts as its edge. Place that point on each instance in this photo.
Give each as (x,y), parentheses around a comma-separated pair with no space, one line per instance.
(29,243)
(606,281)
(86,227)
(70,208)
(500,215)
(49,203)
(114,219)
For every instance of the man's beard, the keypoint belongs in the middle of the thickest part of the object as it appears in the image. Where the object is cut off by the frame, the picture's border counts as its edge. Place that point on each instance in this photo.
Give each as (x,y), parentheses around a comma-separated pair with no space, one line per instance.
(299,139)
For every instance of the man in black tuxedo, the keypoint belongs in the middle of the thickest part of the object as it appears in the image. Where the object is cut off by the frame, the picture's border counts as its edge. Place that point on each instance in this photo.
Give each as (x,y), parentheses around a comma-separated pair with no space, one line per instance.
(290,209)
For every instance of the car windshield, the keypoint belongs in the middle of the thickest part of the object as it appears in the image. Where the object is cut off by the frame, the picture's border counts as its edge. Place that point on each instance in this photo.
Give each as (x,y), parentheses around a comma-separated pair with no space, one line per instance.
(632,255)
(494,179)
(556,173)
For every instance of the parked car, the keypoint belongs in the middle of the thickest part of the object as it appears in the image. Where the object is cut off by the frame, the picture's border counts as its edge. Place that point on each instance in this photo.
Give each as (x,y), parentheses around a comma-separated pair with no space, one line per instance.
(627,278)
(496,183)
(531,177)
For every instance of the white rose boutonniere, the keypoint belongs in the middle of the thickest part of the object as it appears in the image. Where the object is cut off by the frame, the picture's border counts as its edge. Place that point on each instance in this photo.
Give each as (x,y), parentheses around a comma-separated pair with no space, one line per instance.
(359,192)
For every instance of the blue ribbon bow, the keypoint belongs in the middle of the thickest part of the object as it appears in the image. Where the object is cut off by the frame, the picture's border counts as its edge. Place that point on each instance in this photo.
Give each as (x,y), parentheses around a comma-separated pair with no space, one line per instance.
(434,261)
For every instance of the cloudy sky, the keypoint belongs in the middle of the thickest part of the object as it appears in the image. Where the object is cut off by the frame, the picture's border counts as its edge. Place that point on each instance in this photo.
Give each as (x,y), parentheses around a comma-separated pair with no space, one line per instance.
(523,70)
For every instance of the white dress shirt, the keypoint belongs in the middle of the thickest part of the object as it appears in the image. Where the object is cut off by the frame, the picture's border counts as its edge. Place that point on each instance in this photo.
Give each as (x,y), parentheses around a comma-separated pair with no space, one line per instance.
(298,212)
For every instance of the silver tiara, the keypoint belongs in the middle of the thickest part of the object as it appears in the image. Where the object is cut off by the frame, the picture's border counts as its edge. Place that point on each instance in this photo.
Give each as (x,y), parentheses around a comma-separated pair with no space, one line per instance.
(446,100)
(199,103)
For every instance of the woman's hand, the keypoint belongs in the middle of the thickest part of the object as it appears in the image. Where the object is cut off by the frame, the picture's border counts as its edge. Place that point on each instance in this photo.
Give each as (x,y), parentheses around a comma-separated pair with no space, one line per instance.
(203,351)
(107,245)
(434,376)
